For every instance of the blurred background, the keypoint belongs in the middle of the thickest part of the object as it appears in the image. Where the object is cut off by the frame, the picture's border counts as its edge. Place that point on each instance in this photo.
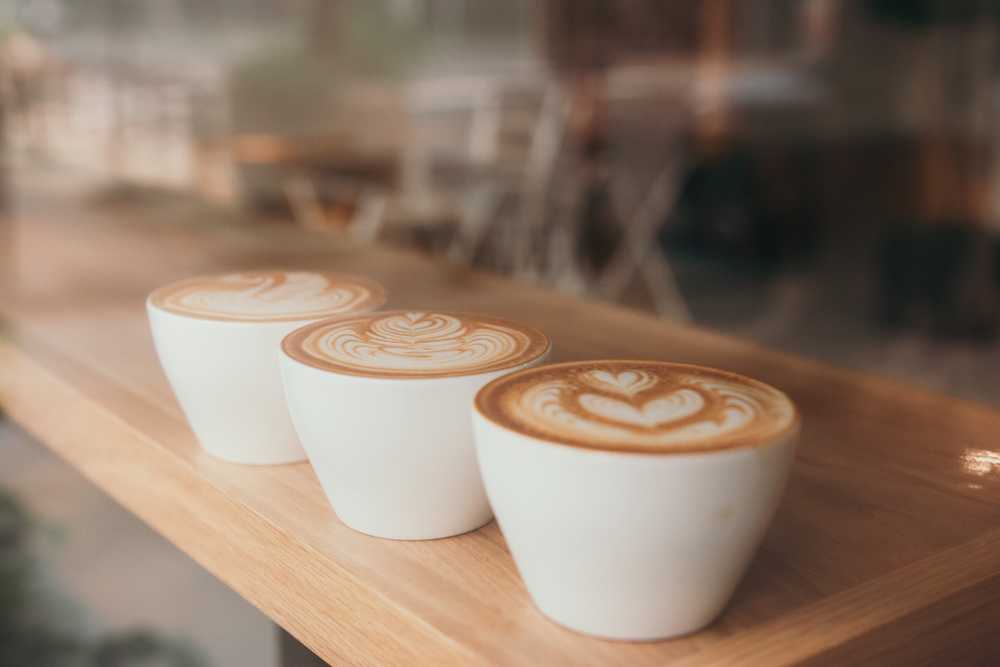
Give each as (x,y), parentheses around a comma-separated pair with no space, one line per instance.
(820,176)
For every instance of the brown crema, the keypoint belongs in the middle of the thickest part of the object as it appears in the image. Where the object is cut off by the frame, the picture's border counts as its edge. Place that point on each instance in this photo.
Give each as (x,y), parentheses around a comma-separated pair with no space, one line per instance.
(639,406)
(269,296)
(415,344)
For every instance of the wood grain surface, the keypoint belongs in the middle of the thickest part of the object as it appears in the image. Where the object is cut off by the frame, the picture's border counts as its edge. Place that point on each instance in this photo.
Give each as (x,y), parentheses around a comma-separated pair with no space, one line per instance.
(886,549)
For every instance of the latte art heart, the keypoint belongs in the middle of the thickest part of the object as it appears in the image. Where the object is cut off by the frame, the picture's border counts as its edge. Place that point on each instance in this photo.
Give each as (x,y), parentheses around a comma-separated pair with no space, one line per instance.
(655,412)
(269,295)
(628,383)
(416,344)
(637,406)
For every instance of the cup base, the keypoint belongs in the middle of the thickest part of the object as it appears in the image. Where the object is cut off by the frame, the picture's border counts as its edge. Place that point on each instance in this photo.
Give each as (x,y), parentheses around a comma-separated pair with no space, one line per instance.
(256,460)
(628,637)
(412,535)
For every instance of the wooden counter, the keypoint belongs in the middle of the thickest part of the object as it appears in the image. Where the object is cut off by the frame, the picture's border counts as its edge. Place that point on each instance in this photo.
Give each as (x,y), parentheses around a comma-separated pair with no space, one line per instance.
(886,549)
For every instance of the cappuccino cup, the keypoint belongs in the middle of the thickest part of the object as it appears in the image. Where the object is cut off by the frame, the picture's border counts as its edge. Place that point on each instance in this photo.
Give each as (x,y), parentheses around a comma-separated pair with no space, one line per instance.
(381,405)
(218,339)
(633,494)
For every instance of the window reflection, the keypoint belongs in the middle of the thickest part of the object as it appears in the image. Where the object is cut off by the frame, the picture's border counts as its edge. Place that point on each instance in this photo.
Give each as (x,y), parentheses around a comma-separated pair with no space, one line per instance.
(819,176)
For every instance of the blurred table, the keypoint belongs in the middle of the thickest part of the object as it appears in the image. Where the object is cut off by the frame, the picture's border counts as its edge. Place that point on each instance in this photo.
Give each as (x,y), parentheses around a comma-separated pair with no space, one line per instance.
(886,549)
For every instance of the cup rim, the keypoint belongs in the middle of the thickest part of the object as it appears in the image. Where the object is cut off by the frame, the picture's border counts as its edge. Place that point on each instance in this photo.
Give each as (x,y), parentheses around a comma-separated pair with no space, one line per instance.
(511,368)
(788,432)
(379,297)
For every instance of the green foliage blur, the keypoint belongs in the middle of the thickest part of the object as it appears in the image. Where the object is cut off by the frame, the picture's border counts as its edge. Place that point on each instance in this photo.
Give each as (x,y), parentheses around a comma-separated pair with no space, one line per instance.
(39,628)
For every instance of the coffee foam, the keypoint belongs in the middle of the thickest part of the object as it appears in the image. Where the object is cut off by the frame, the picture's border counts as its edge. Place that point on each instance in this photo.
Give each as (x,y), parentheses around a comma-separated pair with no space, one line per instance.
(263,296)
(415,344)
(638,406)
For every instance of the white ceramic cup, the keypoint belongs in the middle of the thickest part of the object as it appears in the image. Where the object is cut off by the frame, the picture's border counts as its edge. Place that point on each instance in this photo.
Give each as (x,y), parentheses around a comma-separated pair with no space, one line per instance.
(221,358)
(629,545)
(389,434)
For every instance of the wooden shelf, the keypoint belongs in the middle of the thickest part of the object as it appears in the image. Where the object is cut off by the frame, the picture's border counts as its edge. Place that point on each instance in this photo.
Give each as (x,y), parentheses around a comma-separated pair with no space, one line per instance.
(886,548)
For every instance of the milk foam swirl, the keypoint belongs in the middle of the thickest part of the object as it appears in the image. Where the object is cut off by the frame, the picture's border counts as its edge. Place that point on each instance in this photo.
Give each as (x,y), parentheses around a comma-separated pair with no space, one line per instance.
(638,406)
(269,295)
(416,344)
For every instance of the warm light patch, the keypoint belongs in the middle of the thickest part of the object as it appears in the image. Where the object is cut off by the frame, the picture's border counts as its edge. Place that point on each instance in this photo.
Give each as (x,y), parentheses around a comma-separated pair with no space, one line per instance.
(981,461)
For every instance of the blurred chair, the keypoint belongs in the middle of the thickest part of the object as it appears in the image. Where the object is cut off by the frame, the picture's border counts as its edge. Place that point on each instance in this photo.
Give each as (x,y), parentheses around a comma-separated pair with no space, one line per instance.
(512,139)
(515,161)
(639,254)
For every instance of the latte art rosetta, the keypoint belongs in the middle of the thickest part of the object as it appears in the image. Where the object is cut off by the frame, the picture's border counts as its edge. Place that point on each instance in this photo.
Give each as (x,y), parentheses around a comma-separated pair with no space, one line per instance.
(415,344)
(637,406)
(269,295)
